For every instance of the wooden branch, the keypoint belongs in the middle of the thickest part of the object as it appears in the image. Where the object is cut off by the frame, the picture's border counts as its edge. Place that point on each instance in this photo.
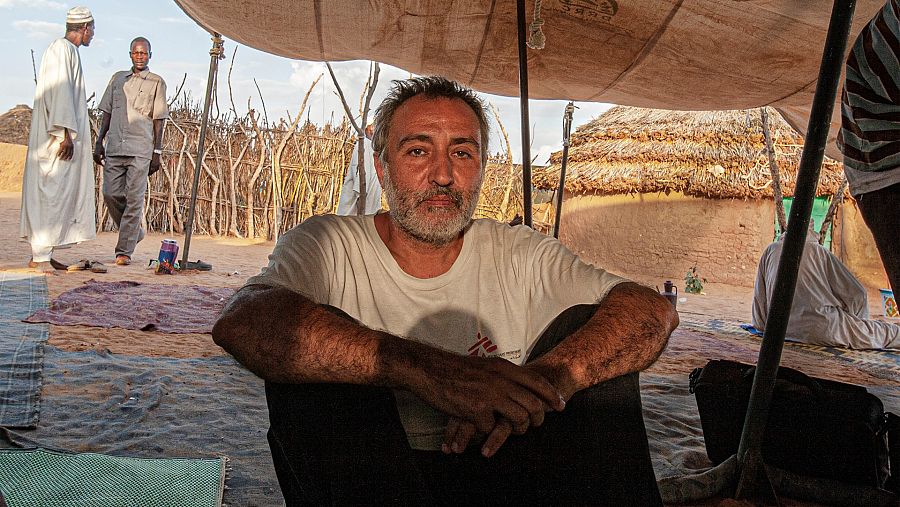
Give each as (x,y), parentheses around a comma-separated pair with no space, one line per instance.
(361,149)
(504,204)
(263,101)
(177,91)
(228,80)
(357,128)
(773,170)
(836,201)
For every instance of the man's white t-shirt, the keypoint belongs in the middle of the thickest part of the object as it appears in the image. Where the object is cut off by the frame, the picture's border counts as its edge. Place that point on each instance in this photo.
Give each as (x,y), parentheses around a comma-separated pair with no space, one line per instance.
(505,288)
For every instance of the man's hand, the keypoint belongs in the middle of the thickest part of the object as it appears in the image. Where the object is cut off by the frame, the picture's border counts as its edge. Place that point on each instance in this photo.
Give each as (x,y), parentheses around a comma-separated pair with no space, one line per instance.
(154,163)
(482,391)
(66,147)
(99,153)
(459,432)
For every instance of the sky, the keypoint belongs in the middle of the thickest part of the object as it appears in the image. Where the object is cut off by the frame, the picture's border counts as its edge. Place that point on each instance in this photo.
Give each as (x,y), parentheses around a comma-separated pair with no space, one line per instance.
(180,47)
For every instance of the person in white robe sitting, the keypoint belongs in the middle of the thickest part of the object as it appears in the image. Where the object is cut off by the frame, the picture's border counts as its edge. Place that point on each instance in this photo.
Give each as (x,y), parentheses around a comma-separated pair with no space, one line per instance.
(58,182)
(349,201)
(830,306)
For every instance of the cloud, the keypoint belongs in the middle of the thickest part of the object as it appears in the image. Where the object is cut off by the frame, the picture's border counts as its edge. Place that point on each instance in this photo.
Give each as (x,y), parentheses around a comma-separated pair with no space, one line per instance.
(303,73)
(542,154)
(351,76)
(38,4)
(39,29)
(182,21)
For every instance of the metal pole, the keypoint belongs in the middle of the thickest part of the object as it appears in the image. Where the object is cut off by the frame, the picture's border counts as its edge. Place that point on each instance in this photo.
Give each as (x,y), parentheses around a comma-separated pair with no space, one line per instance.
(567,132)
(753,481)
(523,103)
(215,54)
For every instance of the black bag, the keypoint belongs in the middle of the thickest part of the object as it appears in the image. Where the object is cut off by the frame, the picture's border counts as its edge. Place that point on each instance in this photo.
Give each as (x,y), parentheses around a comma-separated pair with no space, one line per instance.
(816,427)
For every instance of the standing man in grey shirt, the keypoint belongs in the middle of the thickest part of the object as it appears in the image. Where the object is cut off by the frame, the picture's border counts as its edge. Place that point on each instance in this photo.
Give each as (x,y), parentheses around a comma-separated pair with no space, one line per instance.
(134,114)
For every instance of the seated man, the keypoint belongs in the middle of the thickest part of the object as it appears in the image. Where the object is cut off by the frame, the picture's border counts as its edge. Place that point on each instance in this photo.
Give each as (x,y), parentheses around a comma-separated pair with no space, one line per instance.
(348,203)
(830,305)
(389,343)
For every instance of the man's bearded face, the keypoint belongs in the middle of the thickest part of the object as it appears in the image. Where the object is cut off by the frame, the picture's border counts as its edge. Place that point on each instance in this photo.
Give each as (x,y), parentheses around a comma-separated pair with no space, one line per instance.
(435,225)
(432,171)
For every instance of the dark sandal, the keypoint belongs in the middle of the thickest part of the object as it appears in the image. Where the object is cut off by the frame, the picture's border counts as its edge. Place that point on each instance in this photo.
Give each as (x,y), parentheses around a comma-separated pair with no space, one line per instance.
(81,265)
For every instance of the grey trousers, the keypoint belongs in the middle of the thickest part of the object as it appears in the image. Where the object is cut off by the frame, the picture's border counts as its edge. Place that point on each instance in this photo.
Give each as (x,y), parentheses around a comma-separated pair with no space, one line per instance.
(124,187)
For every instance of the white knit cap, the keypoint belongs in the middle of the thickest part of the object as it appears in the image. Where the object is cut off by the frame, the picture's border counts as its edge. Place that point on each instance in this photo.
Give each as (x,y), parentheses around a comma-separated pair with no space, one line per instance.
(77,15)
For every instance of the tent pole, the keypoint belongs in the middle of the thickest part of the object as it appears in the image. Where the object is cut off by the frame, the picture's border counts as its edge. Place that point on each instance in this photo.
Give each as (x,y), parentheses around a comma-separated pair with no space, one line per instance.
(215,54)
(754,482)
(523,104)
(567,132)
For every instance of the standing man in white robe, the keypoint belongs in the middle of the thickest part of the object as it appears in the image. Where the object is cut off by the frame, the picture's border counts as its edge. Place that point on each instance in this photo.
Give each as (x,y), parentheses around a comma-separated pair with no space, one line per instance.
(830,305)
(347,204)
(58,182)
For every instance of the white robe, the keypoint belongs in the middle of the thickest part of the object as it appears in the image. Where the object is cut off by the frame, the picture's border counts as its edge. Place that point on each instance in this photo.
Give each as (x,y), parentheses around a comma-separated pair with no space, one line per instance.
(350,189)
(830,305)
(58,195)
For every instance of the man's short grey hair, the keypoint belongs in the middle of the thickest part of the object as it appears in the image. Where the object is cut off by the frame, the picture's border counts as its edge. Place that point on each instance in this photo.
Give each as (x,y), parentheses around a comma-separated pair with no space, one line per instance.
(432,87)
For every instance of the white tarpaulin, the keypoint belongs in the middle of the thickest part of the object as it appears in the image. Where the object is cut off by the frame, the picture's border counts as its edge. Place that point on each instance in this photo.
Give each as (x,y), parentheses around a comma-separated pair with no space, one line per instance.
(671,54)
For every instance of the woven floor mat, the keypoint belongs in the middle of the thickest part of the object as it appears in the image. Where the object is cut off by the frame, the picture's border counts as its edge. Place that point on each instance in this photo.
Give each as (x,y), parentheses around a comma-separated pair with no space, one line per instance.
(141,306)
(21,348)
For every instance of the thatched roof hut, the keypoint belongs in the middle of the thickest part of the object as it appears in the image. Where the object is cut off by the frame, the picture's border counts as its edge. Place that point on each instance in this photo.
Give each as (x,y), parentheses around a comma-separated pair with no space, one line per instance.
(15,124)
(711,154)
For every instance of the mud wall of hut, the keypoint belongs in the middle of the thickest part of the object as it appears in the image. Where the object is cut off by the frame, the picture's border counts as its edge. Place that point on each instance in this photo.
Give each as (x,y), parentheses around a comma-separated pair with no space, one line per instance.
(656,237)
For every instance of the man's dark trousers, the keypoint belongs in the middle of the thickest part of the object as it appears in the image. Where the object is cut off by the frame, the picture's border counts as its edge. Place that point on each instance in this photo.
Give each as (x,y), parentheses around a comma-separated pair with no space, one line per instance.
(881,211)
(340,444)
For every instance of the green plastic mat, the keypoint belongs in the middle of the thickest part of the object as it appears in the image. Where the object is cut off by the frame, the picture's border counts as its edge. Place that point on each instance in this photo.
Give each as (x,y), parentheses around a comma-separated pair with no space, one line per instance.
(42,478)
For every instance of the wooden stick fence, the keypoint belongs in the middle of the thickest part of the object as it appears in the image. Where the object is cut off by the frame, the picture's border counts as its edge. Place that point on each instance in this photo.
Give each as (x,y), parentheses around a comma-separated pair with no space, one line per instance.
(255,182)
(258,181)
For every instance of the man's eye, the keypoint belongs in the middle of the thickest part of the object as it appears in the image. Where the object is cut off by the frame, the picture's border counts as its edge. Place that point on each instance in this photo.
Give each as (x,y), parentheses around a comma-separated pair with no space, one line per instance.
(417,152)
(463,154)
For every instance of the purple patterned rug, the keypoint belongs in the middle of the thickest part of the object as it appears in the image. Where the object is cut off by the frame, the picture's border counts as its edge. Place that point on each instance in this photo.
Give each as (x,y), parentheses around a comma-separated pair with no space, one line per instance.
(134,305)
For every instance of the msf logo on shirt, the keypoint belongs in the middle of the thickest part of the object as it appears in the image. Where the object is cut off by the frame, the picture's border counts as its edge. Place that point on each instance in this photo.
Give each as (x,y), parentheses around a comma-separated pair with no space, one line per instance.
(483,347)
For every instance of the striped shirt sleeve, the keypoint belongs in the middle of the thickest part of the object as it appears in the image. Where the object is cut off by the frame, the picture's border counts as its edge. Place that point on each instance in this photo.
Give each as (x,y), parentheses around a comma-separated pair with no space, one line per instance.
(870,102)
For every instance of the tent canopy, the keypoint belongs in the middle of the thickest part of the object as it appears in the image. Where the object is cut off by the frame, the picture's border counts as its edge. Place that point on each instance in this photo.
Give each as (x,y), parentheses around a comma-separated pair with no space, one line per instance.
(671,54)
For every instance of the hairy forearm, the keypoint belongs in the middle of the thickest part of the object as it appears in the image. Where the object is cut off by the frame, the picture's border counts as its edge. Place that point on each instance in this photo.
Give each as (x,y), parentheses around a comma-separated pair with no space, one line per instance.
(626,334)
(284,337)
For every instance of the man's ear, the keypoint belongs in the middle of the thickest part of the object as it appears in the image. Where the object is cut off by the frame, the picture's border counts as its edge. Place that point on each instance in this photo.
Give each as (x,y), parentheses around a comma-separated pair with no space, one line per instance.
(379,169)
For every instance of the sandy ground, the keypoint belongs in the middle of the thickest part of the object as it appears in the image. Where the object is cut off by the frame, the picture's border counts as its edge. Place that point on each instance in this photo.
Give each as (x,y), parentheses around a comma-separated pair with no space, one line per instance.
(234,260)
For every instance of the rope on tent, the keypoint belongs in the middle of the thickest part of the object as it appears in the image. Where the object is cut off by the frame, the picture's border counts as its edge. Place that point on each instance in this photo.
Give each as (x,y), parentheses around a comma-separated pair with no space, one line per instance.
(536,37)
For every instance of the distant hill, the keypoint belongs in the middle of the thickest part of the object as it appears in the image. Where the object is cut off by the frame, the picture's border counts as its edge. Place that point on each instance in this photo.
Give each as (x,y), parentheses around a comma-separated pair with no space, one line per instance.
(15,124)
